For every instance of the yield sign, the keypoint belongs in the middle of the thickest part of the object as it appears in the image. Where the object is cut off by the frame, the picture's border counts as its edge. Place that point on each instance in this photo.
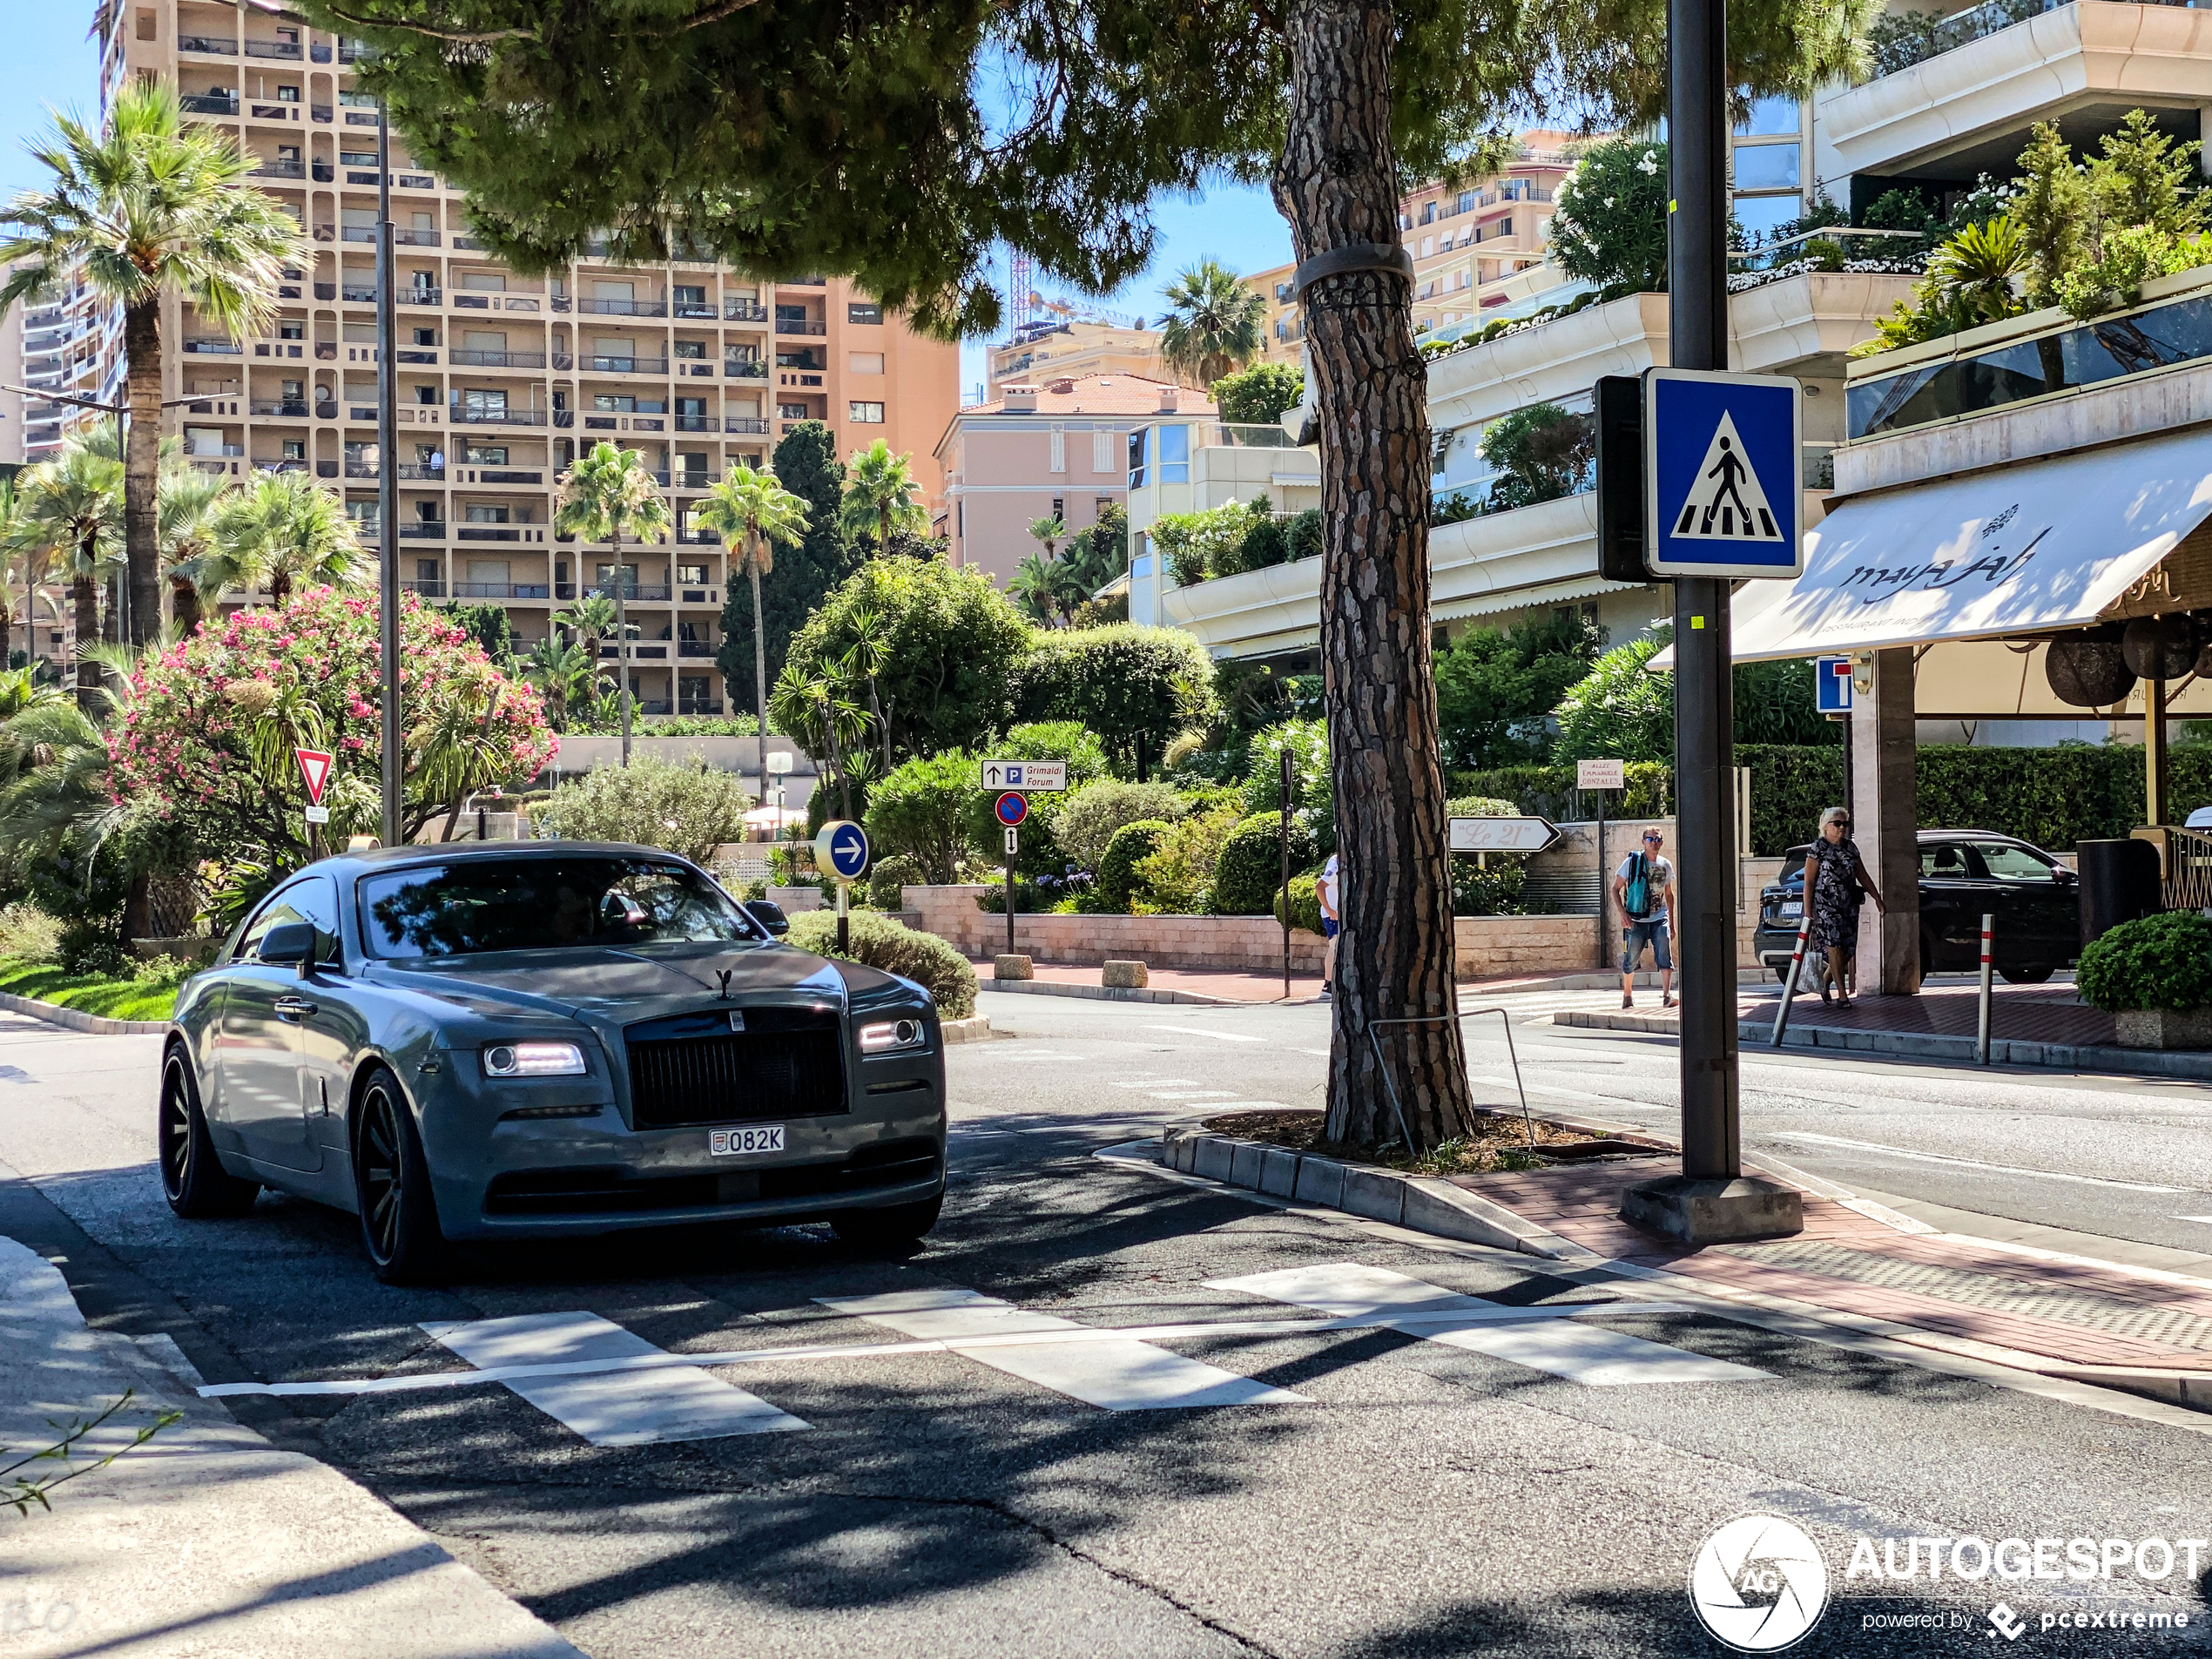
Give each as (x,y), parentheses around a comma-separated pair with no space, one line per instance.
(314,766)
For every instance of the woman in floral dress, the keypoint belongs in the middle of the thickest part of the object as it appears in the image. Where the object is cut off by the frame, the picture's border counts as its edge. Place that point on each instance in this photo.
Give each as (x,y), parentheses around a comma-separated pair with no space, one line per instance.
(1833,870)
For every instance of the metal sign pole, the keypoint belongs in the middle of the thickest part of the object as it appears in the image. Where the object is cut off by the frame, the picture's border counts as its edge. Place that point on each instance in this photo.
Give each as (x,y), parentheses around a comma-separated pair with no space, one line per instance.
(1604,881)
(844,925)
(1285,835)
(1013,840)
(388,494)
(1981,1033)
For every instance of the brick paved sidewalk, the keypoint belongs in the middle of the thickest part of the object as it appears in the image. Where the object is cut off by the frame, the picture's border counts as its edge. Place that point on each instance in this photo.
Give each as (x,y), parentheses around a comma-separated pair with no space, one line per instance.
(1230,986)
(2042,1012)
(1941,1285)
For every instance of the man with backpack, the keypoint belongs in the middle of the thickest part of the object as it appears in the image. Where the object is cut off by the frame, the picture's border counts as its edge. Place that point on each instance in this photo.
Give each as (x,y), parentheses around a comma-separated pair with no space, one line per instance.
(1641,888)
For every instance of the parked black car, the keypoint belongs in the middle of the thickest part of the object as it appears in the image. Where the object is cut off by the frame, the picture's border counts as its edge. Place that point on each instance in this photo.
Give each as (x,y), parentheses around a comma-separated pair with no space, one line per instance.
(1964,874)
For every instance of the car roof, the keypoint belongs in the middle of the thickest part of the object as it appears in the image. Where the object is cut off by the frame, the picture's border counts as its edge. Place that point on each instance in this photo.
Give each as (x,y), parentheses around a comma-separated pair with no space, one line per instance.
(430,853)
(1997,836)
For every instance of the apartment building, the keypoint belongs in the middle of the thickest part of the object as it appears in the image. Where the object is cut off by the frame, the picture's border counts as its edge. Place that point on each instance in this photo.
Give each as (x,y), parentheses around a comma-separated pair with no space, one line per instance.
(502,377)
(1071,348)
(1057,449)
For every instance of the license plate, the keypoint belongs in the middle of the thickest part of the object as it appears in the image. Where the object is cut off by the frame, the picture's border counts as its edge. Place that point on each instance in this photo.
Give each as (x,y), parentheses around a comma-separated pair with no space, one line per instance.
(1790,911)
(745,1142)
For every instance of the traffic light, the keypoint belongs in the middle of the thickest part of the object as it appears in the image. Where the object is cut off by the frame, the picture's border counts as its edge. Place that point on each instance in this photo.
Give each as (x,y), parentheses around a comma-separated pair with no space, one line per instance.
(1619,478)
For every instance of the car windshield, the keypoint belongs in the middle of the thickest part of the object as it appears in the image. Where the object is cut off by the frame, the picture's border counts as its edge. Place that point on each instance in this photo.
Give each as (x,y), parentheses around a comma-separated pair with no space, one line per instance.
(477,905)
(2012,863)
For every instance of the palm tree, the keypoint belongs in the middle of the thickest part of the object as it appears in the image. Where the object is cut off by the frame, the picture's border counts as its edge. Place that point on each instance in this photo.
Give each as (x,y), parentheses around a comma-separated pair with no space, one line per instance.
(1213,327)
(282,531)
(147,206)
(76,501)
(1051,530)
(185,501)
(18,536)
(751,512)
(821,714)
(563,673)
(1030,587)
(880,496)
(607,494)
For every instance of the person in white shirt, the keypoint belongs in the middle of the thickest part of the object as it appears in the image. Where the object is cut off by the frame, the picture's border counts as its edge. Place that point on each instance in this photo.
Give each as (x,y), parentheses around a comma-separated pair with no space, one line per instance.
(1641,887)
(1327,890)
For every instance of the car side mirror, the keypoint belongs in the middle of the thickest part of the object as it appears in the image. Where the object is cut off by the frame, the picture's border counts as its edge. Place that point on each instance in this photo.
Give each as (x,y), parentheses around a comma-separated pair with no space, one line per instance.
(2063,876)
(770,915)
(291,941)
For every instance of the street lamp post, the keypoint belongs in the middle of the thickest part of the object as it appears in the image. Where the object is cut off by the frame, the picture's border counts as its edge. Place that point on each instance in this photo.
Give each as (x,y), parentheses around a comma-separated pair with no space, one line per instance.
(387,515)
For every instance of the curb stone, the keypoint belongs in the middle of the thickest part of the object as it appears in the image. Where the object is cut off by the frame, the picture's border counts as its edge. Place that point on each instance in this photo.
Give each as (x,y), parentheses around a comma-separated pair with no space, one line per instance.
(2003,1051)
(975,1029)
(76,1020)
(1114,993)
(1423,1203)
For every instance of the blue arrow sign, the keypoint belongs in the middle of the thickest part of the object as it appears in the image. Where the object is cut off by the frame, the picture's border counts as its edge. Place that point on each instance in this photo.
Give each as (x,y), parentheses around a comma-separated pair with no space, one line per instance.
(1723,485)
(1831,687)
(844,847)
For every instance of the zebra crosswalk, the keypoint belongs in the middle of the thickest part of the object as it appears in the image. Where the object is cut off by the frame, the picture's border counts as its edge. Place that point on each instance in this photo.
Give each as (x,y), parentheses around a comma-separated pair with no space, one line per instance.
(610,1386)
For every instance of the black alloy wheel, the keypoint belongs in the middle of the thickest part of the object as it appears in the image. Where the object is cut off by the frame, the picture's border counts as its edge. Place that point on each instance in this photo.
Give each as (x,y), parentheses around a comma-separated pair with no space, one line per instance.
(193,1178)
(392,1187)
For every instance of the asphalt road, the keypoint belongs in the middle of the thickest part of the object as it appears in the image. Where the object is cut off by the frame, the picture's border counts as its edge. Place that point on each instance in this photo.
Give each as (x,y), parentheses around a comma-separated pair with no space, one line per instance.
(1380,1492)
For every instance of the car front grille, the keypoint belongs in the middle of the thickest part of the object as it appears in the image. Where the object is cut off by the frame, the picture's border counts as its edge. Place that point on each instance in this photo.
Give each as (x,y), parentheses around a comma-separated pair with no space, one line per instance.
(787,1063)
(594,1192)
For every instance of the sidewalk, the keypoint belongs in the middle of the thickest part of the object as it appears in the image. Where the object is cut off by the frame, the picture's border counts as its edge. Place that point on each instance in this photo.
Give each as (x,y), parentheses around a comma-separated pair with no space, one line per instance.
(2139,1329)
(208,1539)
(1225,985)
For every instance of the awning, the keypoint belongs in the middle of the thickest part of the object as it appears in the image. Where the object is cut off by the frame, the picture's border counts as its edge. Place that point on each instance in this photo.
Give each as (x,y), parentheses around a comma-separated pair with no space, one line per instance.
(2025,550)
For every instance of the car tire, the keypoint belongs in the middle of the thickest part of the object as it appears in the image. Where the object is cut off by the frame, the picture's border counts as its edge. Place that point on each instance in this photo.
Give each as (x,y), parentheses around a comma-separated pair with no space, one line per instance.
(890,1227)
(193,1179)
(399,1214)
(2031,973)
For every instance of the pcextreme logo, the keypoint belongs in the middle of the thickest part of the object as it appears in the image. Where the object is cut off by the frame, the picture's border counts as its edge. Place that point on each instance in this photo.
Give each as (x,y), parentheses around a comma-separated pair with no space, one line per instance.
(1759,1584)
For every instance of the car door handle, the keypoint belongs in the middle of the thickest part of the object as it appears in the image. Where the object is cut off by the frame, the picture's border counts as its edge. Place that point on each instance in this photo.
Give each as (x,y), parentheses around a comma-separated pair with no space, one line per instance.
(293,1007)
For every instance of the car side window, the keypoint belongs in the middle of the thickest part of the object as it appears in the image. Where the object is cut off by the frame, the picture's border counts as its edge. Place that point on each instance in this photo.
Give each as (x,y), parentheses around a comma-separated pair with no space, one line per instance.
(2012,863)
(1943,862)
(313,899)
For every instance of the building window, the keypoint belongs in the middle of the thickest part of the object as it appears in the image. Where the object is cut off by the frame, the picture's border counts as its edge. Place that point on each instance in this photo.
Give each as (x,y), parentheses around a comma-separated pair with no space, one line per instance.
(694,575)
(1428,213)
(868,414)
(1102,450)
(292,331)
(1771,118)
(1059,507)
(856,312)
(864,362)
(426,336)
(791,411)
(689,349)
(1139,444)
(1175,454)
(1099,504)
(614,402)
(1766,166)
(480,513)
(1059,459)
(483,454)
(425,394)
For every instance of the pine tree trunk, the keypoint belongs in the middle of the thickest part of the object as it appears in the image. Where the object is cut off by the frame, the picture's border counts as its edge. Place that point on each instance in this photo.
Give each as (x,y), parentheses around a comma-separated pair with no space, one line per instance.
(1337,185)
(141,465)
(86,595)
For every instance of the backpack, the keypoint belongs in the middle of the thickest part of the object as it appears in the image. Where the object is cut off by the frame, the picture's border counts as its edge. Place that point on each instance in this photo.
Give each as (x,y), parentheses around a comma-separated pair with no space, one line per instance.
(1635,897)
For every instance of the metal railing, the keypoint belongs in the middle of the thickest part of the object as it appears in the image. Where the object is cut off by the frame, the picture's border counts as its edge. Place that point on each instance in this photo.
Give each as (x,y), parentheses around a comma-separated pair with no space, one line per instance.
(743,311)
(207,43)
(471,358)
(1390,1087)
(622,308)
(207,103)
(461,415)
(801,325)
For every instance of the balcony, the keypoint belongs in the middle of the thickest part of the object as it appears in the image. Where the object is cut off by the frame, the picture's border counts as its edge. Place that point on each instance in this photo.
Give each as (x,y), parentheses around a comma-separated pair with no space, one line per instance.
(412,296)
(416,238)
(630,591)
(801,325)
(320,112)
(358,469)
(489,533)
(361,412)
(1960,94)
(464,358)
(468,244)
(432,589)
(355,294)
(423,529)
(463,415)
(352,52)
(212,450)
(283,49)
(743,311)
(502,590)
(694,481)
(748,423)
(416,181)
(696,310)
(622,308)
(421,471)
(214,346)
(207,43)
(277,111)
(351,233)
(280,170)
(289,464)
(623,365)
(699,705)
(208,104)
(745,369)
(695,423)
(290,408)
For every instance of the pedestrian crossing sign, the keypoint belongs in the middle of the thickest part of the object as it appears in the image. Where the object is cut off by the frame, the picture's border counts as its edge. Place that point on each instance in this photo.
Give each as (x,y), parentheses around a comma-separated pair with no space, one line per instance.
(1722,470)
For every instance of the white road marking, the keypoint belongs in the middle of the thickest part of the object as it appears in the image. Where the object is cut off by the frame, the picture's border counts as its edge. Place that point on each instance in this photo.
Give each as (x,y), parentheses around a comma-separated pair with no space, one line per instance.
(1122,1375)
(1248,1105)
(2207,1218)
(1970,1164)
(681,1403)
(1580,1353)
(1200,1031)
(801,1353)
(1150,1083)
(1193,1094)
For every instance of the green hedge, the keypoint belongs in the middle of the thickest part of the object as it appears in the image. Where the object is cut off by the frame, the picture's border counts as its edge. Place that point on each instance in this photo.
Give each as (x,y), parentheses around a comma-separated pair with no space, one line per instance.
(1248,876)
(2162,961)
(878,942)
(1116,878)
(2055,797)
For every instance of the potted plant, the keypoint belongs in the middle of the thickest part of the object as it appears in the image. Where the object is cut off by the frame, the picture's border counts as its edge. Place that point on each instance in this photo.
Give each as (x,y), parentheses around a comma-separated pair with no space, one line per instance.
(2155,974)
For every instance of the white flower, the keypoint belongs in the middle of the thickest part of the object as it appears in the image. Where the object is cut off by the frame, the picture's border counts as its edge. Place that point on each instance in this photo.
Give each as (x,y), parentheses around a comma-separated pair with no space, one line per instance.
(1650,165)
(1609,200)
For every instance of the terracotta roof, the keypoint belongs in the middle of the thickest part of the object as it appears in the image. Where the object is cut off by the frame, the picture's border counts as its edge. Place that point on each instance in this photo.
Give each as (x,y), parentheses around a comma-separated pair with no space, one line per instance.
(1101,394)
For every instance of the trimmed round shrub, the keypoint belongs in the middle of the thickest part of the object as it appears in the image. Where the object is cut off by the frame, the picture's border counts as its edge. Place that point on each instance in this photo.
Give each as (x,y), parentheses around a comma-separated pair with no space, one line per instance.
(1086,819)
(887,876)
(920,811)
(1306,904)
(1248,877)
(1116,881)
(2162,961)
(685,807)
(878,942)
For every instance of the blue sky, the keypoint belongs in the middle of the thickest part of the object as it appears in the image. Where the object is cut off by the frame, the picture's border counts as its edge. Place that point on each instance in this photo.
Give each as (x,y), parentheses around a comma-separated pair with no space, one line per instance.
(50,62)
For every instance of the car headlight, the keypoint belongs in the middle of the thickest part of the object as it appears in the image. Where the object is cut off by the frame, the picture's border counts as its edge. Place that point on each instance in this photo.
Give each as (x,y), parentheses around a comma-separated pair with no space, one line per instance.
(533,1059)
(889,1036)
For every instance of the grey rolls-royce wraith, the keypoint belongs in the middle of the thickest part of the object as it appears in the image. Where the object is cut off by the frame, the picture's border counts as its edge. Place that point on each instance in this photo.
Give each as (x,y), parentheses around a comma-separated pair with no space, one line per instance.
(503,1040)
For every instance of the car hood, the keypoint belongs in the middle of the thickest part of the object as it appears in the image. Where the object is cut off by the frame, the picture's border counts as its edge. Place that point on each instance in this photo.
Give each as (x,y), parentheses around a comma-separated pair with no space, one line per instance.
(609,986)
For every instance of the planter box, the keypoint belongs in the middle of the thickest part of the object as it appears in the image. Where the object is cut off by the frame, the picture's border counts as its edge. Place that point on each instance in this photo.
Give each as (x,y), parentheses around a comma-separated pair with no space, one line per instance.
(2163,1027)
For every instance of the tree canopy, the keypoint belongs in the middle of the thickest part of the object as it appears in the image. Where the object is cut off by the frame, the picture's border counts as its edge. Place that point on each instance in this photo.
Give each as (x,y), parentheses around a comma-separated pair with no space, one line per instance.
(805,463)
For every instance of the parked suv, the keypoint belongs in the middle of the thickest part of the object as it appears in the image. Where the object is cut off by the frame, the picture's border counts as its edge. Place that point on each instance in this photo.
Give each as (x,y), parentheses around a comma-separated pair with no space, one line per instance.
(1964,874)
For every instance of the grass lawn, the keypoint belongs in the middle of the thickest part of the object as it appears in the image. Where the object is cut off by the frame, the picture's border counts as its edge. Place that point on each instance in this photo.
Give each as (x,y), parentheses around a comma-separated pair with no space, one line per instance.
(115,999)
